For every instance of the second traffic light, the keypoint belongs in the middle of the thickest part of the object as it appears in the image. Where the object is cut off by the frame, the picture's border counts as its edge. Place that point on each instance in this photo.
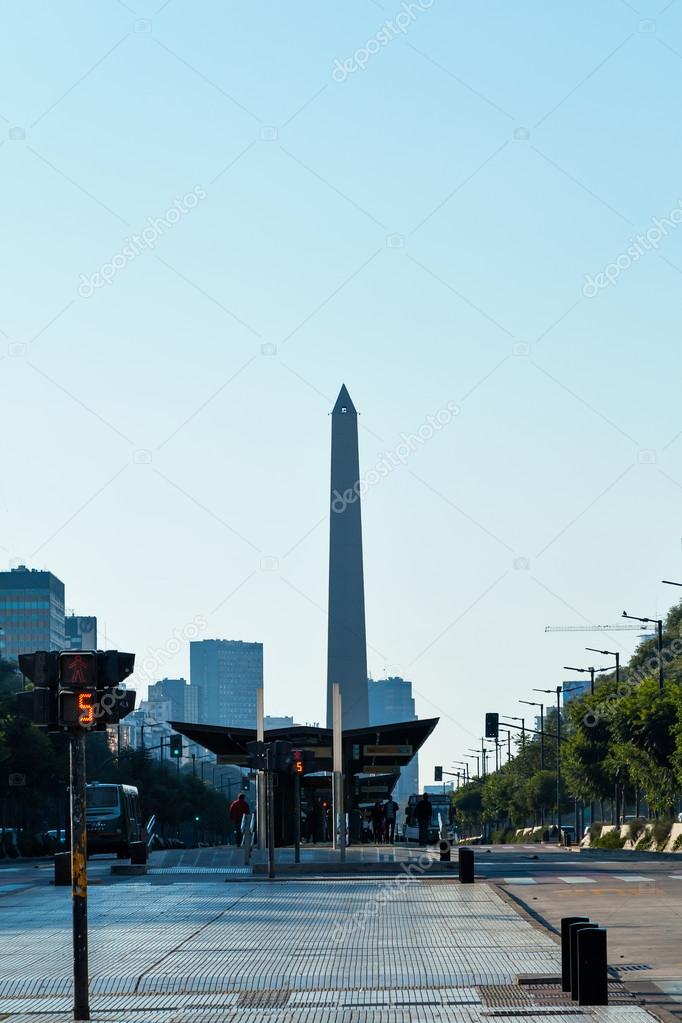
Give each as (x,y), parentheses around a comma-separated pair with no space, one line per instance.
(175,746)
(438,774)
(492,726)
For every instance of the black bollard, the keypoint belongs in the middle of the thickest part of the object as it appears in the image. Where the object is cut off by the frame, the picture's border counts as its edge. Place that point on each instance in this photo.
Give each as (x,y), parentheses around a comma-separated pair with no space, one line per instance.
(573,930)
(62,868)
(593,988)
(466,865)
(566,922)
(444,847)
(138,852)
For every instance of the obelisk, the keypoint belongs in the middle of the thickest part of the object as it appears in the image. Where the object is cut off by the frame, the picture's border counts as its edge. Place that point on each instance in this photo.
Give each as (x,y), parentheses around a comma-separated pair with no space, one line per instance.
(346,640)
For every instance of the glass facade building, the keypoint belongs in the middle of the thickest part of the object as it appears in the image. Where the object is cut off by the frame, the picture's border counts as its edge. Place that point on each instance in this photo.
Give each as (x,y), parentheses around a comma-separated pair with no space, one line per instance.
(391,700)
(31,612)
(226,673)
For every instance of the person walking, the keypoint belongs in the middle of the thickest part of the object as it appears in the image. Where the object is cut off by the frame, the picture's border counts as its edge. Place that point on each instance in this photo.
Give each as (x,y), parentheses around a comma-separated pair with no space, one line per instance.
(423,815)
(378,822)
(312,823)
(238,809)
(390,813)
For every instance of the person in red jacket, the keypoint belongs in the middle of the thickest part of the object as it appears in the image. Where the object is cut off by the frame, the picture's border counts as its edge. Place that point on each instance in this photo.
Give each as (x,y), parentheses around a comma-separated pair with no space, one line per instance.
(238,808)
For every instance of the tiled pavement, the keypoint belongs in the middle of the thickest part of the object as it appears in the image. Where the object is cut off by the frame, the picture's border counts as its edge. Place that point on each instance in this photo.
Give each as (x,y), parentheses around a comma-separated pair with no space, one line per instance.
(304,952)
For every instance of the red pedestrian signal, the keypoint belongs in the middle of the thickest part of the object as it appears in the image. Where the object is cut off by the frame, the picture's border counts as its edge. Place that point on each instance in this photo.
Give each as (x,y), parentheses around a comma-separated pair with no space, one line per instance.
(78,669)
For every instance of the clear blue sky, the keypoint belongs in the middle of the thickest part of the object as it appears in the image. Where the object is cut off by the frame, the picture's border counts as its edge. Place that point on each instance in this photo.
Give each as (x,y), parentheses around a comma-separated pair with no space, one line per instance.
(422,230)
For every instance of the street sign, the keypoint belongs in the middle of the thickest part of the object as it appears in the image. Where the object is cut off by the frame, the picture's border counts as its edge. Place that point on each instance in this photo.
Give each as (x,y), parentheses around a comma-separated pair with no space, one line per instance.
(16,780)
(383,769)
(388,751)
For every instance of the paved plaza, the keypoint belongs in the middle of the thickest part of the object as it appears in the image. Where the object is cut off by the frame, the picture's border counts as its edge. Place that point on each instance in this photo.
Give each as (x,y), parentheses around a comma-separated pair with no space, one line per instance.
(200,950)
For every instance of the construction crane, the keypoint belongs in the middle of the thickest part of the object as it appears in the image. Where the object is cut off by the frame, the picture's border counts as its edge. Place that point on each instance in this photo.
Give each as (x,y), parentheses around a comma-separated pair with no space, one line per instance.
(618,627)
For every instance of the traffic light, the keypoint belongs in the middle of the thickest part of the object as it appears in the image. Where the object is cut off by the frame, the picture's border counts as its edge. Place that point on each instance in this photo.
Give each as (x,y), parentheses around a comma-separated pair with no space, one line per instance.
(113,702)
(39,704)
(438,774)
(302,761)
(176,745)
(258,756)
(492,726)
(281,756)
(76,688)
(77,671)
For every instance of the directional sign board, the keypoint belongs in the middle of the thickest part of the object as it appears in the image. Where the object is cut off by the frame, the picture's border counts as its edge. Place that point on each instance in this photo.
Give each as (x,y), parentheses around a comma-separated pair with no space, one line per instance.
(388,751)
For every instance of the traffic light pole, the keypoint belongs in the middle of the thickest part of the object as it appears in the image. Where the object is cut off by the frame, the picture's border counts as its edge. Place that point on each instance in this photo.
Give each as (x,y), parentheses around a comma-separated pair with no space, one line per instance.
(297,818)
(270,813)
(79,877)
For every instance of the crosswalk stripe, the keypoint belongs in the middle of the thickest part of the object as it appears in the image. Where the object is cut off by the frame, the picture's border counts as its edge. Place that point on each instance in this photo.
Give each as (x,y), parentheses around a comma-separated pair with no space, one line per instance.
(577,880)
(632,877)
(520,880)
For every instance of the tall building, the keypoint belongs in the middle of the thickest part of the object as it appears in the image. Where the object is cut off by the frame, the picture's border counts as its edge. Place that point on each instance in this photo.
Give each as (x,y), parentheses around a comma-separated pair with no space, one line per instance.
(172,690)
(390,699)
(346,639)
(572,690)
(192,708)
(227,673)
(277,722)
(31,612)
(81,632)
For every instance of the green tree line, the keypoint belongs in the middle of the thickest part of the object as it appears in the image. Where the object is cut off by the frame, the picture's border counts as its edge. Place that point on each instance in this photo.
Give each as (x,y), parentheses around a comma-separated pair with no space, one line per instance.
(622,751)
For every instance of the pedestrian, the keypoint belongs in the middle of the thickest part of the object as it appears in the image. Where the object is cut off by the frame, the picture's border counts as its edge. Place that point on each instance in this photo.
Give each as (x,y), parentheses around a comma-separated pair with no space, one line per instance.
(238,809)
(390,813)
(378,822)
(312,823)
(423,814)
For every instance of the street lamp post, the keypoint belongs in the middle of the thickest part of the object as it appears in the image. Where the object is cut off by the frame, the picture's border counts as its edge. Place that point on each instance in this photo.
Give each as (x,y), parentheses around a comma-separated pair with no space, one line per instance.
(532,703)
(558,756)
(586,671)
(658,622)
(477,758)
(508,732)
(510,717)
(608,653)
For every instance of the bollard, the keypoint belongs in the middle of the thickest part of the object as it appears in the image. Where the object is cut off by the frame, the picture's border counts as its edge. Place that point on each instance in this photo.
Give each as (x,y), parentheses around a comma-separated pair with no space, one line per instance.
(566,922)
(444,847)
(138,852)
(593,987)
(573,930)
(466,865)
(62,868)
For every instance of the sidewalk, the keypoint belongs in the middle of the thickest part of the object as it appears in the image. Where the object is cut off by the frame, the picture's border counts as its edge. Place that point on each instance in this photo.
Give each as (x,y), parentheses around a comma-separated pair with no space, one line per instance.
(304,952)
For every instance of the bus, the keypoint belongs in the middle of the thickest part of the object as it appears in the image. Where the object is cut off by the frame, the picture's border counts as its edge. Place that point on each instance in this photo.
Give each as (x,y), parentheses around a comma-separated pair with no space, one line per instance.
(114,818)
(441,817)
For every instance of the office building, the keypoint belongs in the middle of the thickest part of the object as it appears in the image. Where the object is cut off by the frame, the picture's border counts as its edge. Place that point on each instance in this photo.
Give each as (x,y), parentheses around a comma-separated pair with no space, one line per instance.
(81,632)
(31,612)
(572,690)
(227,673)
(390,699)
(275,722)
(173,691)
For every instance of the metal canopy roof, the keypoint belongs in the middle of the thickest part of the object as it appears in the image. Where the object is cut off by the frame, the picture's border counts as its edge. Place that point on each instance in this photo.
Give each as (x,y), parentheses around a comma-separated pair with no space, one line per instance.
(377,749)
